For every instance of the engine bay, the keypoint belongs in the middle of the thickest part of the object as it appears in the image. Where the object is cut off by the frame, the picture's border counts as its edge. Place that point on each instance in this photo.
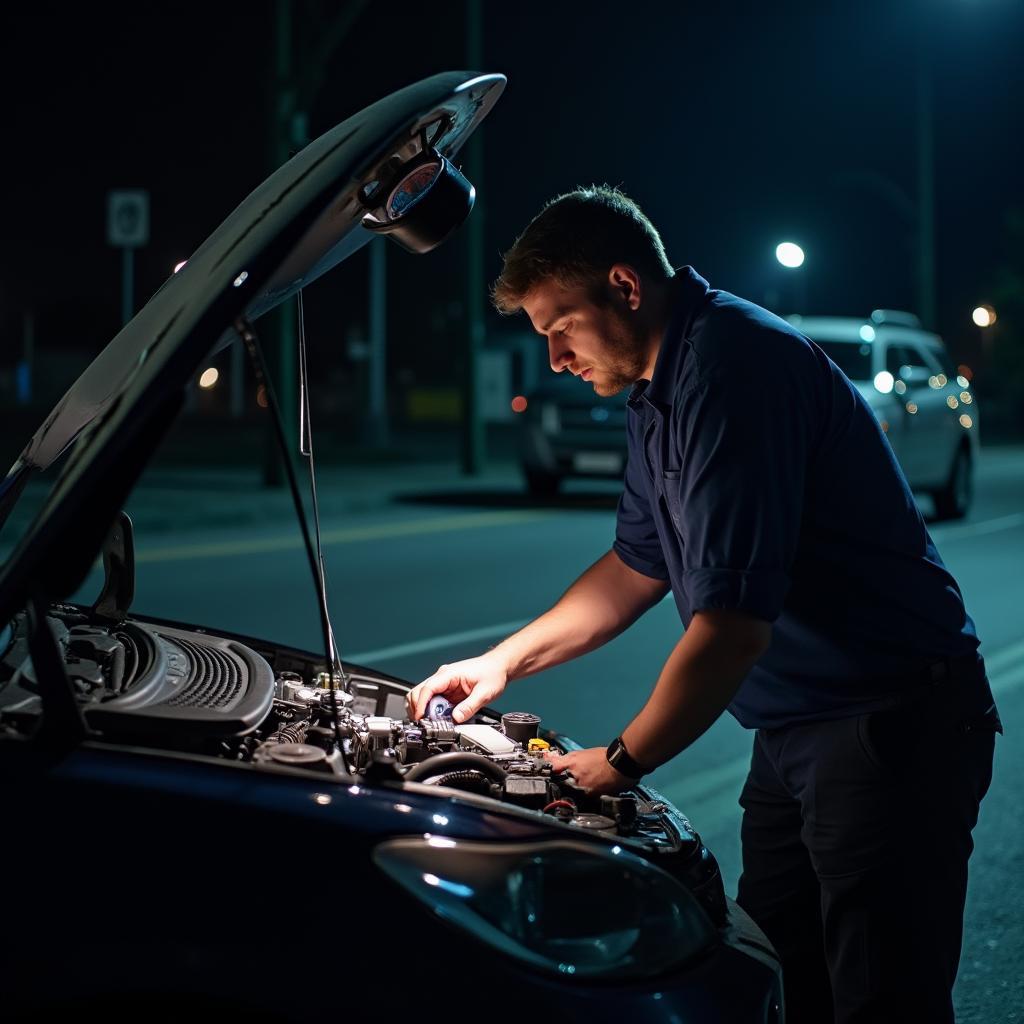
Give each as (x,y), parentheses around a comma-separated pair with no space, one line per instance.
(159,685)
(270,708)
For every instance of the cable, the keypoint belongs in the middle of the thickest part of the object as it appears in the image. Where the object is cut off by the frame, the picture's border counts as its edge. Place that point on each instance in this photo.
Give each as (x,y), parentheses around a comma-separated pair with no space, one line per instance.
(567,804)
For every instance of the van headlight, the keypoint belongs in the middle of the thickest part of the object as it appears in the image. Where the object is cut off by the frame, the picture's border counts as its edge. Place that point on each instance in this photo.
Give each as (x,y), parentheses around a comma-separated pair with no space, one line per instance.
(571,908)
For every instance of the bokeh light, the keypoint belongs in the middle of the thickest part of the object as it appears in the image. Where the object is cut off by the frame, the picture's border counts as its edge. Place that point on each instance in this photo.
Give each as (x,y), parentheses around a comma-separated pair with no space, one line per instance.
(209,377)
(984,315)
(789,254)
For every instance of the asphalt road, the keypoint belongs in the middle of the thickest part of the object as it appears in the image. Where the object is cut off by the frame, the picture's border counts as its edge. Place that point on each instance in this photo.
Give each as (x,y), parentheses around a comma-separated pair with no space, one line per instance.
(444,576)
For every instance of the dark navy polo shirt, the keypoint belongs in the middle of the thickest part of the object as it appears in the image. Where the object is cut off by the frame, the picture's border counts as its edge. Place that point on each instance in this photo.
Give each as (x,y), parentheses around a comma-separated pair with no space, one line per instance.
(759,479)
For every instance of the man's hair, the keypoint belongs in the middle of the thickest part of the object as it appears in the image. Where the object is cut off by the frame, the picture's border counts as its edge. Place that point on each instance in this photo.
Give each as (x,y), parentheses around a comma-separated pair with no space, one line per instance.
(575,240)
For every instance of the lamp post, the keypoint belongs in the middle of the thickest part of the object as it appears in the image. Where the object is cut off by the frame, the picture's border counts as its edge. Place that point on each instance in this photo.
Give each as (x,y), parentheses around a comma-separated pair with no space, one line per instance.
(791,256)
(984,316)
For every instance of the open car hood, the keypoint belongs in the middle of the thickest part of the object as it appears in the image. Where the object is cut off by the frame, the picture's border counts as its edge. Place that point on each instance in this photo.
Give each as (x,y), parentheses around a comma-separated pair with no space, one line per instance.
(305,218)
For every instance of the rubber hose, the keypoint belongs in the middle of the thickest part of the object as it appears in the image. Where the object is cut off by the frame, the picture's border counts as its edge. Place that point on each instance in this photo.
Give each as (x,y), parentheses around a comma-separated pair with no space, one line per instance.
(441,764)
(466,775)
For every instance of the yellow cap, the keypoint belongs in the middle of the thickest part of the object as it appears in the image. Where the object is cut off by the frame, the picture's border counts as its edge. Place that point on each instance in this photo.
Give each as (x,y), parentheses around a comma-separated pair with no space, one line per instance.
(536,744)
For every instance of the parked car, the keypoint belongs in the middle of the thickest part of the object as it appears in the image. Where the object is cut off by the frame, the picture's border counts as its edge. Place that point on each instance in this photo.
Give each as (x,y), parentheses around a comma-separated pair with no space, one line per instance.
(201,825)
(926,408)
(569,430)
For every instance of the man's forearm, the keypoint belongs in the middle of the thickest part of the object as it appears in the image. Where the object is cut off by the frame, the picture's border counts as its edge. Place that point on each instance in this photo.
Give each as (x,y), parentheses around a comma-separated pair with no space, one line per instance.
(699,679)
(606,599)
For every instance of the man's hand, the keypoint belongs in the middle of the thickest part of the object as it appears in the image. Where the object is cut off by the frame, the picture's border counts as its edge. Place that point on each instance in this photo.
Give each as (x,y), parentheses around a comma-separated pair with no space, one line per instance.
(468,684)
(591,770)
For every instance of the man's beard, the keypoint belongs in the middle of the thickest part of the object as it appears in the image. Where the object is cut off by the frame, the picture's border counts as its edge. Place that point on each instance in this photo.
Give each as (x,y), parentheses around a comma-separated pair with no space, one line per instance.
(626,359)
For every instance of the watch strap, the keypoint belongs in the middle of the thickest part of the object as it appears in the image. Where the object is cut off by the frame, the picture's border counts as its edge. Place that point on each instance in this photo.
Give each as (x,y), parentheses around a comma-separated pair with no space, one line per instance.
(619,758)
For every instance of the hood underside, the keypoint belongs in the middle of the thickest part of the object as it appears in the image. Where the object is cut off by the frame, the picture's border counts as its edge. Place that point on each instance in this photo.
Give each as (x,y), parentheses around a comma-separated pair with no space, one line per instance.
(303,220)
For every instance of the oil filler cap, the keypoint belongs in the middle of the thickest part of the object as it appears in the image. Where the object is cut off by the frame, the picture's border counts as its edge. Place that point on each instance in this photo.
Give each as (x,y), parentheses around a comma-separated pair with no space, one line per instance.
(302,754)
(520,726)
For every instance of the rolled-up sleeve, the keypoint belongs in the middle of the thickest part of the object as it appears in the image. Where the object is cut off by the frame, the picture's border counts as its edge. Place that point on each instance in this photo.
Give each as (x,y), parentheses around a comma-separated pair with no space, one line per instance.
(636,536)
(738,500)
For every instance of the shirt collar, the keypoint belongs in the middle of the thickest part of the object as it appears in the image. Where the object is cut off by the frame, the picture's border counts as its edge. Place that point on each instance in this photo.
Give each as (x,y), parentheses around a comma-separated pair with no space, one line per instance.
(691,290)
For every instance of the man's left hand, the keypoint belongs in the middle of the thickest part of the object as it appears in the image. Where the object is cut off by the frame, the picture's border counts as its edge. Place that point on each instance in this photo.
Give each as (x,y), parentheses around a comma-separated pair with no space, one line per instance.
(591,770)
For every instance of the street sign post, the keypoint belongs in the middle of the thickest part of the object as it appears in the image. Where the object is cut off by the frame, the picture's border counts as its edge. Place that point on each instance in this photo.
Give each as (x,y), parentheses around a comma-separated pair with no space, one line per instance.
(128,230)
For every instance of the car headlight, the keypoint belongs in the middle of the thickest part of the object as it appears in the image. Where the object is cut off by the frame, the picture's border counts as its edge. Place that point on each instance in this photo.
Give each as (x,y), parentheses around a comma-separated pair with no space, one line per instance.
(571,908)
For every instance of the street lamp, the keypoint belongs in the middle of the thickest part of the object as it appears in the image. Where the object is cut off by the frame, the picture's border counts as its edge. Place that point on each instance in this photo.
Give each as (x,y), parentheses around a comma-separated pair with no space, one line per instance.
(791,256)
(984,315)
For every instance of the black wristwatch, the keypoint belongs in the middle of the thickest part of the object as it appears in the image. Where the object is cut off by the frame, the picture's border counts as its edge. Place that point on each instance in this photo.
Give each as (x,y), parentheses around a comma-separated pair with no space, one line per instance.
(619,759)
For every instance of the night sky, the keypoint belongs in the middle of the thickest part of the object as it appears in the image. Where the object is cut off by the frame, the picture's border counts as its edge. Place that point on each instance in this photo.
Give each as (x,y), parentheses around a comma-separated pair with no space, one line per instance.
(734,126)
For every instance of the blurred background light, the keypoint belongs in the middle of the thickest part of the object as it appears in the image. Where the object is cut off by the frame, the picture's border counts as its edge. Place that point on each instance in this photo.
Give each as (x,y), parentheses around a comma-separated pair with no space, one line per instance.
(884,381)
(519,404)
(789,254)
(984,315)
(209,377)
(867,333)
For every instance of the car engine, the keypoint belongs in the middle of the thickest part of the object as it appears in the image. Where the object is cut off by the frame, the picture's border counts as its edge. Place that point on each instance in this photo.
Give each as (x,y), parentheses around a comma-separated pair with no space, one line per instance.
(265,707)
(160,685)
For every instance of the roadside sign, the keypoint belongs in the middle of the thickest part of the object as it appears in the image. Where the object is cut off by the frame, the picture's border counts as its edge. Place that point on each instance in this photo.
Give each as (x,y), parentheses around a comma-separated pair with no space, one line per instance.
(128,218)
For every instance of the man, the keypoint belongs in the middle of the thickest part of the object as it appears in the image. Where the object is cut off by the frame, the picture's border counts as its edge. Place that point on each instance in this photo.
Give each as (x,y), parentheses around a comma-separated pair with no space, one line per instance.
(762,491)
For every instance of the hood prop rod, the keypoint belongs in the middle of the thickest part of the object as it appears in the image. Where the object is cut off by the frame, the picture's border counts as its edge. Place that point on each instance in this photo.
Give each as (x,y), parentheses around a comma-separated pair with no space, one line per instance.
(259,365)
(306,450)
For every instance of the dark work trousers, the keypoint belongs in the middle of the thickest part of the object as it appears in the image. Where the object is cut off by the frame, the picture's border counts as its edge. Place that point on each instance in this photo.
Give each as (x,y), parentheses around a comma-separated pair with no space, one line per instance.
(856,835)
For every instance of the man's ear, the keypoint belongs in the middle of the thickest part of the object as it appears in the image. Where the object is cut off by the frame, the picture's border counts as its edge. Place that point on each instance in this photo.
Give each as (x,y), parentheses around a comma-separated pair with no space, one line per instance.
(625,282)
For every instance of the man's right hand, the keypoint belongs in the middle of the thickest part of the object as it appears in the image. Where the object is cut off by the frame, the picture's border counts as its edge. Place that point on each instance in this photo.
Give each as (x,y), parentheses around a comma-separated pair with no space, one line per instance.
(468,684)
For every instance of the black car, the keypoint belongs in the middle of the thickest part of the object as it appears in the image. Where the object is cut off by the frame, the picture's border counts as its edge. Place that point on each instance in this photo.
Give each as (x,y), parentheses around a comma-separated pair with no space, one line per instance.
(568,430)
(201,825)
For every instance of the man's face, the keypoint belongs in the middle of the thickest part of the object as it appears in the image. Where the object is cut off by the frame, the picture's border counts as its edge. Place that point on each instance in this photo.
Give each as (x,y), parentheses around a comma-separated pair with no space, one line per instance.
(599,342)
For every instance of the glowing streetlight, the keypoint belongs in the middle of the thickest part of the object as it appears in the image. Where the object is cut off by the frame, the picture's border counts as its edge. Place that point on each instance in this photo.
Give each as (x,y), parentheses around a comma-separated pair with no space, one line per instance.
(984,315)
(789,254)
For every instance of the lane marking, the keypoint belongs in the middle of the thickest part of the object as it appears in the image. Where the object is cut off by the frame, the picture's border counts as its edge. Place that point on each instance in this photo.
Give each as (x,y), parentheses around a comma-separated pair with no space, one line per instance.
(1007,681)
(978,529)
(429,644)
(1003,657)
(341,535)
